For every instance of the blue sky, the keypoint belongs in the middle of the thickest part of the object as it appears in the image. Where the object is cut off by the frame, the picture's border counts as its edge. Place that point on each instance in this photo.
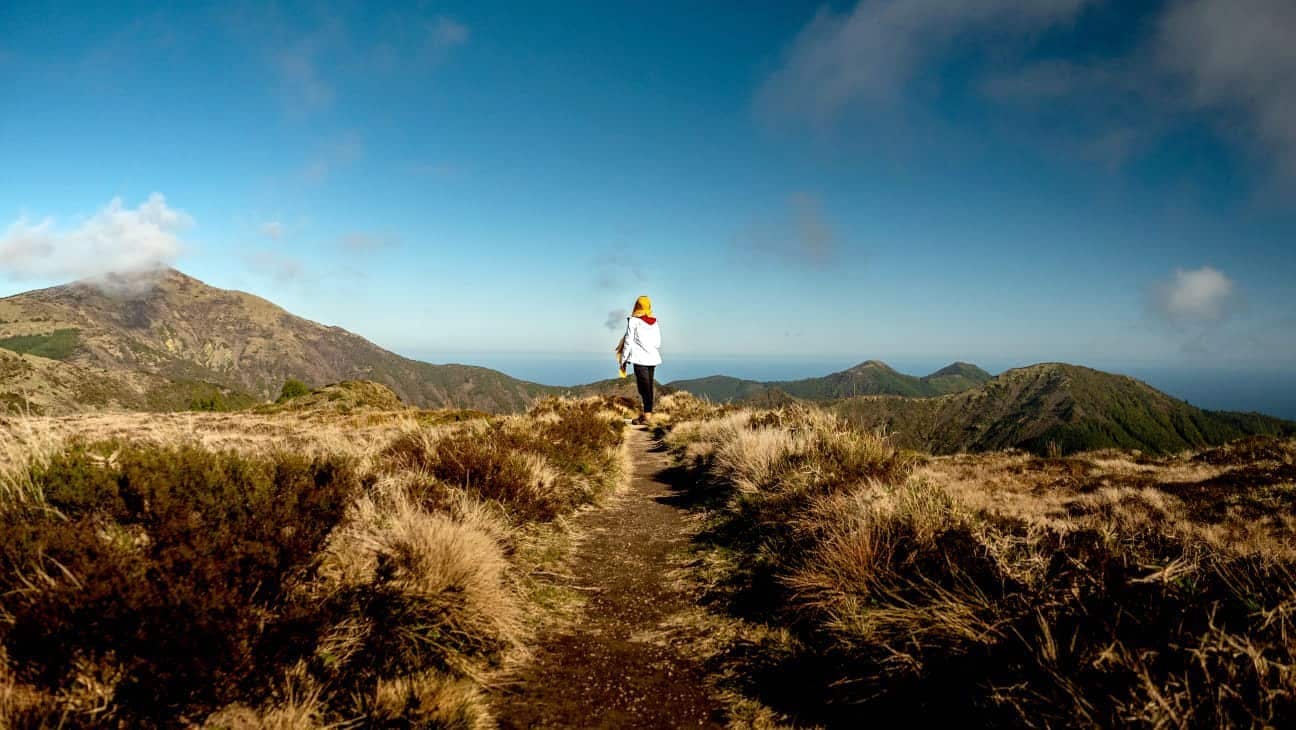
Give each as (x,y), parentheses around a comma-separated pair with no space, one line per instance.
(1008,181)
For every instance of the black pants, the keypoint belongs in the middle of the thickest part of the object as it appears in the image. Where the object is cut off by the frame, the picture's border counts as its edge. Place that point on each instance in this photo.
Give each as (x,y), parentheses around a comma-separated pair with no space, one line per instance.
(644,379)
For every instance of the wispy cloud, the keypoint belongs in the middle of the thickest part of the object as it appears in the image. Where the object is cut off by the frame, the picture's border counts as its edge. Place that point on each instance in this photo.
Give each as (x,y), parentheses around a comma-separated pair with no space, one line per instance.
(1238,56)
(116,239)
(361,241)
(273,229)
(801,234)
(446,33)
(1230,63)
(282,268)
(868,54)
(617,271)
(315,62)
(302,83)
(1195,297)
(333,156)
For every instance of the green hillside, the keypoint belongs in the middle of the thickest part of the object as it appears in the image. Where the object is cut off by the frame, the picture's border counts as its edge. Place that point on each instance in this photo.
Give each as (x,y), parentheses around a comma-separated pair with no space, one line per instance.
(1066,407)
(868,378)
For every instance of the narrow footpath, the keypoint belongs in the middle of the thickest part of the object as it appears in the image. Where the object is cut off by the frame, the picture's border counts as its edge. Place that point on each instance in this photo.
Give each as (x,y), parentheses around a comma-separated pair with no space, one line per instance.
(611,668)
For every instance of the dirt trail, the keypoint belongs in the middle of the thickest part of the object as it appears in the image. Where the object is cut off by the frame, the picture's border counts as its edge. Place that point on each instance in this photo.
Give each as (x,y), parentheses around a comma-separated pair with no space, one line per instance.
(612,668)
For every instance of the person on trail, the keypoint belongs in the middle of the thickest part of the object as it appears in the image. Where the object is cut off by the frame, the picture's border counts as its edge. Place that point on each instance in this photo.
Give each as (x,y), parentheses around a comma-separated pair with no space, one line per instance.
(639,347)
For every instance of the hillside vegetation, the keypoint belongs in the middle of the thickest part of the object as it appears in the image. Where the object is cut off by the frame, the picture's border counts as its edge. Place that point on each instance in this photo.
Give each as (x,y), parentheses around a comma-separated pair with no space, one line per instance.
(851,580)
(867,378)
(281,569)
(131,338)
(1063,408)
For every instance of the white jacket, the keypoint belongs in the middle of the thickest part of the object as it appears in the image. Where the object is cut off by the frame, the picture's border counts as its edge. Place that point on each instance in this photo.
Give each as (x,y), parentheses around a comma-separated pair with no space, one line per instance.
(642,341)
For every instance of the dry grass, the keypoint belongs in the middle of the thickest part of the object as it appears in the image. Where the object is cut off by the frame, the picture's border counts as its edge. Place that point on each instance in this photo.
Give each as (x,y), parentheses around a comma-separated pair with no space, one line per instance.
(1103,589)
(1232,503)
(402,614)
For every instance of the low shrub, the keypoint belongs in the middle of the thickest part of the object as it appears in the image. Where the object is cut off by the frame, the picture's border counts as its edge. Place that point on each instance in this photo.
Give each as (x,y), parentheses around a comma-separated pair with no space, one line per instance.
(164,563)
(292,388)
(537,467)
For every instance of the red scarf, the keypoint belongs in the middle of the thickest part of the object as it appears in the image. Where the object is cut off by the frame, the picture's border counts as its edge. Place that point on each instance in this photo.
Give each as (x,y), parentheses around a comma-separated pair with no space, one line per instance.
(649,320)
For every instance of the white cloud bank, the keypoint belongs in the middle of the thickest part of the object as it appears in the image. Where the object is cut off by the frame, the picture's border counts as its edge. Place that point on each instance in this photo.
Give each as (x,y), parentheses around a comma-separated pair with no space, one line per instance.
(117,240)
(1202,296)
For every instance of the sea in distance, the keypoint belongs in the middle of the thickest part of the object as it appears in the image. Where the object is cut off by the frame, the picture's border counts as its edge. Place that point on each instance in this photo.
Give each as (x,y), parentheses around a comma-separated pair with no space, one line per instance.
(1272,392)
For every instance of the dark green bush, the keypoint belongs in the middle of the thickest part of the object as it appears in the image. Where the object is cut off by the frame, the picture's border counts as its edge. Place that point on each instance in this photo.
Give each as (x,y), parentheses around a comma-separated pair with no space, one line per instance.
(293,388)
(167,562)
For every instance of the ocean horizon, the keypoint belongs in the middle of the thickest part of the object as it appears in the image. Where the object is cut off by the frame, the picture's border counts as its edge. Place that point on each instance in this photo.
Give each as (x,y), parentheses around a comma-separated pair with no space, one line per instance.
(1271,392)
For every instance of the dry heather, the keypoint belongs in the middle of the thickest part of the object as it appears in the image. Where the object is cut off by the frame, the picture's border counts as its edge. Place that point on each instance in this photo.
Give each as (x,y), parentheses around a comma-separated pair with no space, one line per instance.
(996,590)
(278,570)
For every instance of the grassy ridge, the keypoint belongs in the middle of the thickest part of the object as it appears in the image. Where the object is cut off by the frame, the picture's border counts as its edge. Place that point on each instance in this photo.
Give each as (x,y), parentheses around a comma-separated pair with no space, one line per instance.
(301,575)
(884,588)
(868,378)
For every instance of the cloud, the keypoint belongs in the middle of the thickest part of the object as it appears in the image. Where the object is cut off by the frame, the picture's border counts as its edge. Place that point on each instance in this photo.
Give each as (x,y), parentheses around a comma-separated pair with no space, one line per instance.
(114,240)
(1052,79)
(801,235)
(616,271)
(447,33)
(1195,297)
(616,319)
(360,241)
(301,83)
(280,267)
(869,53)
(273,229)
(1238,56)
(333,156)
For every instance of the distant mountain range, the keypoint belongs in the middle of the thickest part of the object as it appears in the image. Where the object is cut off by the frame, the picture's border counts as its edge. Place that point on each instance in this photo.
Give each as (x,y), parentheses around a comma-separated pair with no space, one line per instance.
(963,408)
(868,378)
(165,341)
(1055,406)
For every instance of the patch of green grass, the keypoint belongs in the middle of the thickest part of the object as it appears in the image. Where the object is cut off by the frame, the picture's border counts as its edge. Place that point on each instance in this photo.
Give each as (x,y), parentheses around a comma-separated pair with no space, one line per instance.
(57,345)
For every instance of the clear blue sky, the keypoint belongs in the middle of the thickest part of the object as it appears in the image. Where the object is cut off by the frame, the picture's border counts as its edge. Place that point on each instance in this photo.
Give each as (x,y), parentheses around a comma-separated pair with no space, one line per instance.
(1111,183)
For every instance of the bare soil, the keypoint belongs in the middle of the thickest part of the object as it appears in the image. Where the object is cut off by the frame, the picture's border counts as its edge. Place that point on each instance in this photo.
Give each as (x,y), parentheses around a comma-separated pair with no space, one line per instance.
(614,665)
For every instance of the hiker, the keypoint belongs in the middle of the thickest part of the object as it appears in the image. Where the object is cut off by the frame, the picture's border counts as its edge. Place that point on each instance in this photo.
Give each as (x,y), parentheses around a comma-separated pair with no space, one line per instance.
(639,348)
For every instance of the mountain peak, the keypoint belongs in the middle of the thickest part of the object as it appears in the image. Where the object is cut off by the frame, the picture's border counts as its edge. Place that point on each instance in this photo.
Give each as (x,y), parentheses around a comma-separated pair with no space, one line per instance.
(958,367)
(177,332)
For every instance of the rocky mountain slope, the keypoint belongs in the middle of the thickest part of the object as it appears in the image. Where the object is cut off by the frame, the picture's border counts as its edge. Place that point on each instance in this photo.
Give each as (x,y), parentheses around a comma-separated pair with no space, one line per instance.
(868,378)
(152,341)
(1069,407)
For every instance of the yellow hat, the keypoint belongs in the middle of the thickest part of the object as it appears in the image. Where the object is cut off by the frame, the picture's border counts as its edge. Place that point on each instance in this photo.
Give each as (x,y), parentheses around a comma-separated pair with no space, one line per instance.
(642,307)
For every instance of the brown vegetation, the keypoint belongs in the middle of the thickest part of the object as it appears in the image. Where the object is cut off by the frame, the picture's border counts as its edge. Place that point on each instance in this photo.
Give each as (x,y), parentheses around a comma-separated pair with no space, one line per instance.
(286,570)
(1106,589)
